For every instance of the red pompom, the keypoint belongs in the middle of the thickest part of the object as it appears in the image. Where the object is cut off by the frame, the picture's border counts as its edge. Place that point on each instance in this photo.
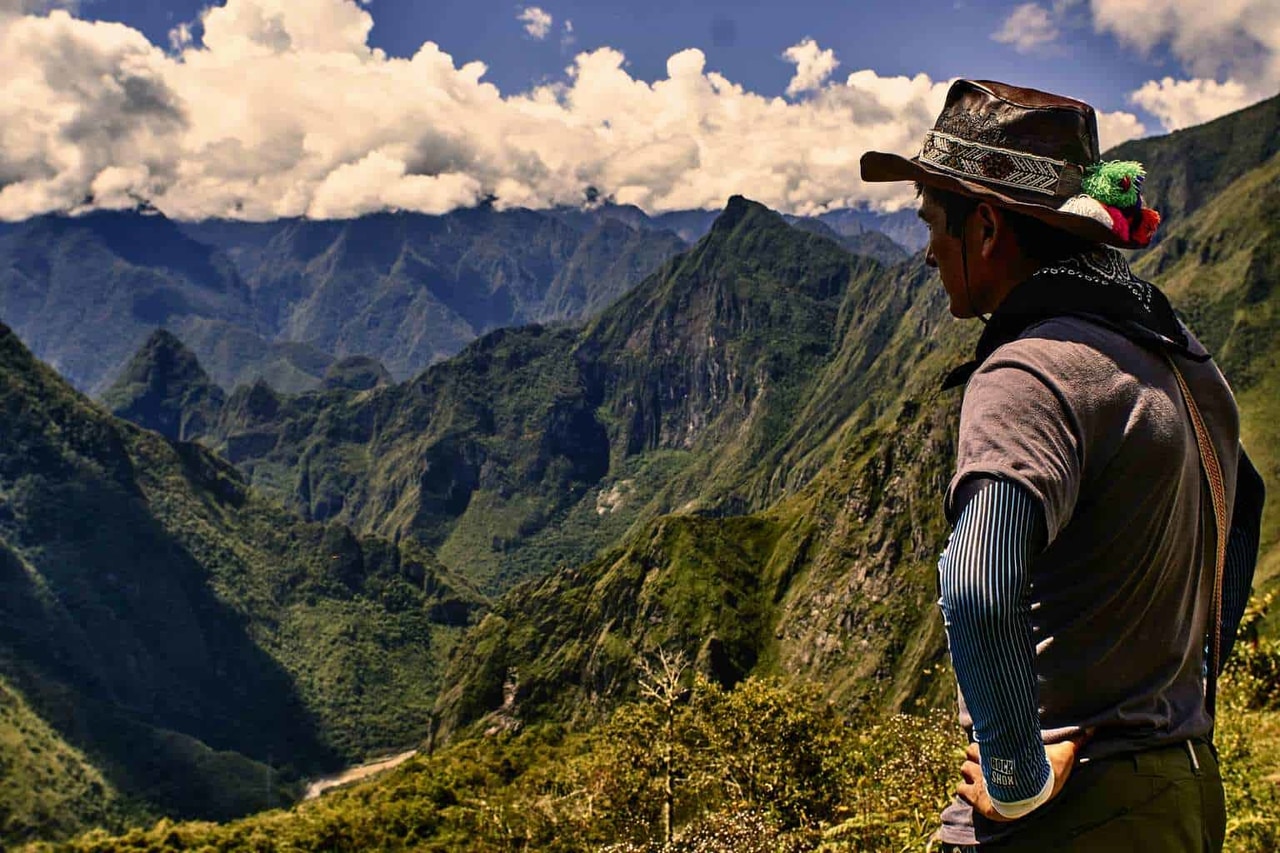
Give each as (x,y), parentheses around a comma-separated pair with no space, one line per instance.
(1145,228)
(1119,225)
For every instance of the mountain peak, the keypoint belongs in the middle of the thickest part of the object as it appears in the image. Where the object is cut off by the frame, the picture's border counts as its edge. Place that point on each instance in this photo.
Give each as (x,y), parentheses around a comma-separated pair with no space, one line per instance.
(740,209)
(164,388)
(356,373)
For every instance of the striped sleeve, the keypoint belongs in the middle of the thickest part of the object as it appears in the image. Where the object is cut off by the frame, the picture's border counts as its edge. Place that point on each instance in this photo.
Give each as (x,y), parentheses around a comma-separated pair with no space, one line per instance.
(1242,550)
(984,583)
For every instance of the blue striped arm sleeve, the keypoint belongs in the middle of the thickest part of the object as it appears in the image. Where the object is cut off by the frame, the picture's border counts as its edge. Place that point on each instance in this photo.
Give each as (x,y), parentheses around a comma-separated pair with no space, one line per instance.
(985,605)
(1242,550)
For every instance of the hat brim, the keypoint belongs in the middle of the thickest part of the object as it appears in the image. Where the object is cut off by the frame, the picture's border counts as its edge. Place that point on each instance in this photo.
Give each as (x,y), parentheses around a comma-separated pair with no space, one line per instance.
(879,167)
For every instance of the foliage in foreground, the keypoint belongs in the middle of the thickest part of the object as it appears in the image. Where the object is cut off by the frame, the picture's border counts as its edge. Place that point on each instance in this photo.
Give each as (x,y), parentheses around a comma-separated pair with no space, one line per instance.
(694,767)
(749,768)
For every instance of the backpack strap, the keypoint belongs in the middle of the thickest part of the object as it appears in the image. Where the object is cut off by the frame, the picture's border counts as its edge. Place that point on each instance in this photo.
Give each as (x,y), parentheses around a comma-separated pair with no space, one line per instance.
(1212,470)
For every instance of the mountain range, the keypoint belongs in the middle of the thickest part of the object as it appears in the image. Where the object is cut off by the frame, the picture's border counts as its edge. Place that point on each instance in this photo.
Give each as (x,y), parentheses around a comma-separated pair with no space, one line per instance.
(739,457)
(733,383)
(280,301)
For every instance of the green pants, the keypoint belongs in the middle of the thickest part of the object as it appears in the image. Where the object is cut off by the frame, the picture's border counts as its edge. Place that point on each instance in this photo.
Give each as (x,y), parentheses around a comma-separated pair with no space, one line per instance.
(1168,800)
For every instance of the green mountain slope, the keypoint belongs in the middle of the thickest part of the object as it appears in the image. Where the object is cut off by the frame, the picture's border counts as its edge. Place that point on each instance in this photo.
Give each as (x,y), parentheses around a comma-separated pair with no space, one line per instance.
(867,456)
(1222,269)
(49,788)
(1188,167)
(499,456)
(186,636)
(832,583)
(164,388)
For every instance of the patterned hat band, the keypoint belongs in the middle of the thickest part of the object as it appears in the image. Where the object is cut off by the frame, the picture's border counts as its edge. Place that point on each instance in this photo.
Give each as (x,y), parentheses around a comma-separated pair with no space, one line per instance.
(990,164)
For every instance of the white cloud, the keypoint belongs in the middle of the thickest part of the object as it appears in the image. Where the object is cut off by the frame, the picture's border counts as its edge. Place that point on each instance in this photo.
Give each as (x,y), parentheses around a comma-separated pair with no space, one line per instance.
(1231,49)
(380,182)
(1182,103)
(537,23)
(1028,27)
(283,109)
(35,7)
(181,37)
(1117,127)
(77,101)
(813,66)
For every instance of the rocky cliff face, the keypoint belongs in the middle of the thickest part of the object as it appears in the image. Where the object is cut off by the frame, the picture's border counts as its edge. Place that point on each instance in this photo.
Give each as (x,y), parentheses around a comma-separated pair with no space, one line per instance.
(745,314)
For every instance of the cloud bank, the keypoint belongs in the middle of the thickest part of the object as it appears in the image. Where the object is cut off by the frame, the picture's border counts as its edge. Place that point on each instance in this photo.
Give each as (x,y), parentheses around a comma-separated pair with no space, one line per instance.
(1231,47)
(283,109)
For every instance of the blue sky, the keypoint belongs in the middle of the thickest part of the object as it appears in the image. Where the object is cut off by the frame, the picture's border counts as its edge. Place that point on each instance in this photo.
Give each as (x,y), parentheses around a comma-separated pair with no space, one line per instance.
(259,109)
(744,39)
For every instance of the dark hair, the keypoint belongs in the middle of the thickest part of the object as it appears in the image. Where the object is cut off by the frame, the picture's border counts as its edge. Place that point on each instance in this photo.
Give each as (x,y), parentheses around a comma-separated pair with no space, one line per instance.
(1038,240)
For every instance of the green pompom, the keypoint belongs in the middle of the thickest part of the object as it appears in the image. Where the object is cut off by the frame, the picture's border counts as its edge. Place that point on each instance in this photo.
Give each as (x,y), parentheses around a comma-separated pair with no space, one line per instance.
(1114,182)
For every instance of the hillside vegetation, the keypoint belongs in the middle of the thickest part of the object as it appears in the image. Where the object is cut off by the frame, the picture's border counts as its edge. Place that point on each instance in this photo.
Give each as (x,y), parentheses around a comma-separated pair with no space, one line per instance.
(179,643)
(281,301)
(691,768)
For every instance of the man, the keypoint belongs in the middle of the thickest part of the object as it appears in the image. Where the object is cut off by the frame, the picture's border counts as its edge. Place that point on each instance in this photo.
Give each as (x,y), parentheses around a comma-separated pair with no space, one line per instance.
(1083,590)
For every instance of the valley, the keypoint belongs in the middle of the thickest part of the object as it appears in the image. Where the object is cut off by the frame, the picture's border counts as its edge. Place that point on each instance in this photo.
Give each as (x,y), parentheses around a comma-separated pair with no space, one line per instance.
(618,444)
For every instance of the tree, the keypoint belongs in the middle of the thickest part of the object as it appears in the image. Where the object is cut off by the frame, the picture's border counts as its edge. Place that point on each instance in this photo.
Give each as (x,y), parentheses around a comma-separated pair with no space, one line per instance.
(662,683)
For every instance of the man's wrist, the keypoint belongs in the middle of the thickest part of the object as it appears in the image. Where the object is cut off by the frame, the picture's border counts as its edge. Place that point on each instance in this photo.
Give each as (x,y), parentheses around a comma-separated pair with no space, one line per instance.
(1021,808)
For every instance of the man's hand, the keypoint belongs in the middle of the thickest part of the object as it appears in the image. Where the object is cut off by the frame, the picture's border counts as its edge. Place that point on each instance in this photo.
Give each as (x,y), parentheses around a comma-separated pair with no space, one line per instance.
(973,790)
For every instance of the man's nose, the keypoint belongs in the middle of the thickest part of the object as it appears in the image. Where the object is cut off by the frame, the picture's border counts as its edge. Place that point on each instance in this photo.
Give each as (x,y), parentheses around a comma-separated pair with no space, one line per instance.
(930,260)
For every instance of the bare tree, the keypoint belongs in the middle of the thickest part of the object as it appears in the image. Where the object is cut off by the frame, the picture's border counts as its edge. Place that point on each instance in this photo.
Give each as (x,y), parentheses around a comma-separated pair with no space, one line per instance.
(660,682)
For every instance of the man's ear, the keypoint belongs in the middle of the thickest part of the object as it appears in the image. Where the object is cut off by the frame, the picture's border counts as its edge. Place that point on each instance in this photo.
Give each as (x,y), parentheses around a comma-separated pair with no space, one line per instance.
(990,227)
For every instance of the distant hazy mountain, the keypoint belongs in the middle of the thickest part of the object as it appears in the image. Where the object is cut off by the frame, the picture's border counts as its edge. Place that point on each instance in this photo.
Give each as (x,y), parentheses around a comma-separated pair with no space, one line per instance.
(871,244)
(902,227)
(86,292)
(281,300)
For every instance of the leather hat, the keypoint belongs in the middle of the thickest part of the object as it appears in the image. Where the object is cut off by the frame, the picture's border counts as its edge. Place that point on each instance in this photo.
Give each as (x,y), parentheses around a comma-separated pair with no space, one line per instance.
(1021,149)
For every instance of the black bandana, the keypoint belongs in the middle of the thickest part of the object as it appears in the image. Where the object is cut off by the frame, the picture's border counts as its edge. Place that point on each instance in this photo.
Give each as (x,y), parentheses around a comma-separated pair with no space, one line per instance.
(1097,286)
